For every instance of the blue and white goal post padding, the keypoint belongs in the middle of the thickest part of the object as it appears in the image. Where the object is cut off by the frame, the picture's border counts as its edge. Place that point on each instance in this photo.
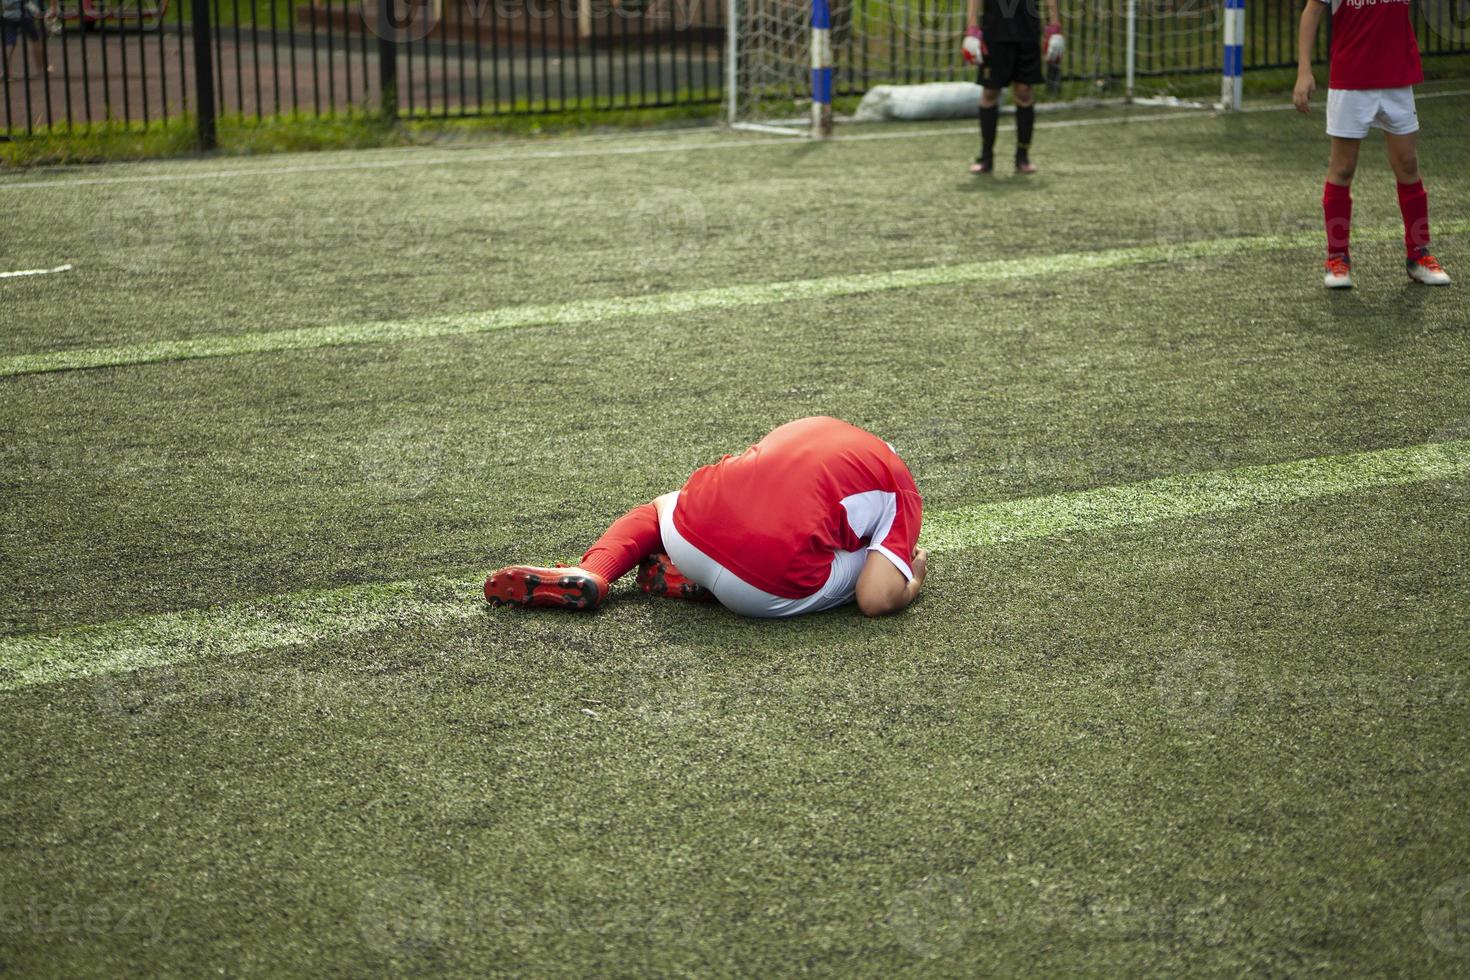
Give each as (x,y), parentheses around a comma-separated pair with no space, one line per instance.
(821,70)
(1231,82)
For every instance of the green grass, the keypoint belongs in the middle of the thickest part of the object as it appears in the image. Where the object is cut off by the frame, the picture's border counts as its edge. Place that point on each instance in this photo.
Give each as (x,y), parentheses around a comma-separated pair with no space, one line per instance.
(296,133)
(258,720)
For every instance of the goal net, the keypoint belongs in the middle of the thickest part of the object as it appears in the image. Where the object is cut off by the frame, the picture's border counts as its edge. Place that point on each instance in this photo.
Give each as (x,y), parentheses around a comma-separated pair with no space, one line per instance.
(1116,50)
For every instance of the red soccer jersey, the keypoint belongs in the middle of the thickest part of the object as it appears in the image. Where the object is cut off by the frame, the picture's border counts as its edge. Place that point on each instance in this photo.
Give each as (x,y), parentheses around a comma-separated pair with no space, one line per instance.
(1373,45)
(775,514)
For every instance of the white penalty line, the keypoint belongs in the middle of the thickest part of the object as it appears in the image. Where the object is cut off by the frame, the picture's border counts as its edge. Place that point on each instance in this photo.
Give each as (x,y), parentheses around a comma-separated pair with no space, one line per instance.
(414,157)
(663,304)
(20,273)
(298,619)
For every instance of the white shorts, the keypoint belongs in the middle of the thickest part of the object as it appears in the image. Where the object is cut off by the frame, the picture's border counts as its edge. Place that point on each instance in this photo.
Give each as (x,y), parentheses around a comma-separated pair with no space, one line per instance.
(740,596)
(1351,112)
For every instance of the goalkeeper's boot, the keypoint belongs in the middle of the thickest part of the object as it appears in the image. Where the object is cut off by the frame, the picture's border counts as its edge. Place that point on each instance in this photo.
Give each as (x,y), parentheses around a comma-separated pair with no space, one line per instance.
(1424,268)
(982,165)
(557,588)
(1024,164)
(657,575)
(1339,272)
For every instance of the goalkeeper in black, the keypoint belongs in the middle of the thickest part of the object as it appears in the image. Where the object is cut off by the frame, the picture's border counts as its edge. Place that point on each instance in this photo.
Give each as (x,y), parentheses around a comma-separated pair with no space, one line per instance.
(1006,42)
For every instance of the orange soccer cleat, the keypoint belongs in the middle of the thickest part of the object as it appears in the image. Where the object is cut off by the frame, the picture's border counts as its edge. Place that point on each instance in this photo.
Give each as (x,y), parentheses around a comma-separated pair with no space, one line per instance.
(1339,273)
(1425,268)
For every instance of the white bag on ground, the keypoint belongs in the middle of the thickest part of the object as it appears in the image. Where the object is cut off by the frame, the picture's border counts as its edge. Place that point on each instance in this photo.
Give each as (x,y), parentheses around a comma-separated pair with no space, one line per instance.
(935,100)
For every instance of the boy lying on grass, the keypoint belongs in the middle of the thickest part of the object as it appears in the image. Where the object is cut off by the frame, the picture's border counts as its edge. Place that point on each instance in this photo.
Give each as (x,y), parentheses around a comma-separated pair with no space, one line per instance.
(815,515)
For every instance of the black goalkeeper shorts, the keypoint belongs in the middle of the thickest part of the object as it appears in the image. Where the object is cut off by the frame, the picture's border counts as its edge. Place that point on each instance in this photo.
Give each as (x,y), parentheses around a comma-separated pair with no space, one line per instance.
(1011,61)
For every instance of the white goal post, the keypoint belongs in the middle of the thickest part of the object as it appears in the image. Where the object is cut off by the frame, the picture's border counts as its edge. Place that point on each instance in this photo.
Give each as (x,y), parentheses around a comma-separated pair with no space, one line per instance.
(786,59)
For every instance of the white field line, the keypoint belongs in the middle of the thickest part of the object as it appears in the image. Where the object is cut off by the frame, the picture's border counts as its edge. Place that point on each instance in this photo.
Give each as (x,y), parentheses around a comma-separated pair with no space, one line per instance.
(662,304)
(296,619)
(415,157)
(20,273)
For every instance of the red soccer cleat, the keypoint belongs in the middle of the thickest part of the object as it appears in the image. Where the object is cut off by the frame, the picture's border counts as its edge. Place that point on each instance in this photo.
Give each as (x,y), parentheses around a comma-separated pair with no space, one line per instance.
(657,575)
(556,588)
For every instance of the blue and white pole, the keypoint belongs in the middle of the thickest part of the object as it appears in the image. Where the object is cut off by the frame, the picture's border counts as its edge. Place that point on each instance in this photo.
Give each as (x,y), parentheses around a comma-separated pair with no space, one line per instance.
(821,70)
(1231,83)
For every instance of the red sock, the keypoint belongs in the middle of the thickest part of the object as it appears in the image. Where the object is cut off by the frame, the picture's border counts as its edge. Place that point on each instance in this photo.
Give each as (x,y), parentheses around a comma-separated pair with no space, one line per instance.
(1337,210)
(625,544)
(1414,205)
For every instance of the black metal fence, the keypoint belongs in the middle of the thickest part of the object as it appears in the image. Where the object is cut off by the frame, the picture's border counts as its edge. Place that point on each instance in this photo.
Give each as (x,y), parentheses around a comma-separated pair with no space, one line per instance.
(133,65)
(142,65)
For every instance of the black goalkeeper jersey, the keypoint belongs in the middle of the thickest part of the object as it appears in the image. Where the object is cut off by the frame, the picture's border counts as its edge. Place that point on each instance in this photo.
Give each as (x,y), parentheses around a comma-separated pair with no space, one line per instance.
(1011,20)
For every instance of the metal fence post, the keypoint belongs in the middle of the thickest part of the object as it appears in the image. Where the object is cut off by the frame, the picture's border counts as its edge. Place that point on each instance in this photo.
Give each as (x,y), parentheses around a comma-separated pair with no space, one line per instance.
(204,74)
(387,59)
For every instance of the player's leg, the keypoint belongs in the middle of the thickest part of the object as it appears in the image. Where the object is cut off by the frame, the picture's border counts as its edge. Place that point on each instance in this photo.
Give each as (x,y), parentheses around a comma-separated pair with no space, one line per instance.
(9,32)
(39,52)
(1337,211)
(1350,113)
(585,585)
(1403,157)
(989,123)
(1025,97)
(657,573)
(1025,76)
(995,75)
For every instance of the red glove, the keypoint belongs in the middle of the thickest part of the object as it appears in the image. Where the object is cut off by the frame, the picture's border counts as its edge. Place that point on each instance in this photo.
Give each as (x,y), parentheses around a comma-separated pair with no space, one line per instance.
(973,47)
(1053,45)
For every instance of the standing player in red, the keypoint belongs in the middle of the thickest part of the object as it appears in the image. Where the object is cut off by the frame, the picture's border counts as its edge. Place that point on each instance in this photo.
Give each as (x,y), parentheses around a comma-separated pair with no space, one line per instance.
(1374,66)
(815,515)
(1008,50)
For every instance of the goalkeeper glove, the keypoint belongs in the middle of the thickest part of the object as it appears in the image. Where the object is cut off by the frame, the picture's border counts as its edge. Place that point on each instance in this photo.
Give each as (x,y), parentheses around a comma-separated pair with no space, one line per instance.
(973,47)
(1054,45)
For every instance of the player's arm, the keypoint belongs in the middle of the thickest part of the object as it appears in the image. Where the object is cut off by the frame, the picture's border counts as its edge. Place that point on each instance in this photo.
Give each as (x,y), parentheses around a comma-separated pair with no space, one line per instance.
(1306,39)
(972,14)
(883,589)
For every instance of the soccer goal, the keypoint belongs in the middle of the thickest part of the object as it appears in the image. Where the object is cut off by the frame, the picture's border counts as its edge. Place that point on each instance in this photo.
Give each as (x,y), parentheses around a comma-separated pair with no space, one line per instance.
(787,59)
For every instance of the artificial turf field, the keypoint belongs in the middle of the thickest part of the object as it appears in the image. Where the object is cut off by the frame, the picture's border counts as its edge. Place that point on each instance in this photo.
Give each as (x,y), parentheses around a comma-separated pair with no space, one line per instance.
(1187,691)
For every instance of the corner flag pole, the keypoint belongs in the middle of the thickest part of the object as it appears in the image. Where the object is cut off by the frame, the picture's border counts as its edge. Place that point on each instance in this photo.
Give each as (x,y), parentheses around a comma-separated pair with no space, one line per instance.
(1132,56)
(732,54)
(1231,84)
(821,70)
